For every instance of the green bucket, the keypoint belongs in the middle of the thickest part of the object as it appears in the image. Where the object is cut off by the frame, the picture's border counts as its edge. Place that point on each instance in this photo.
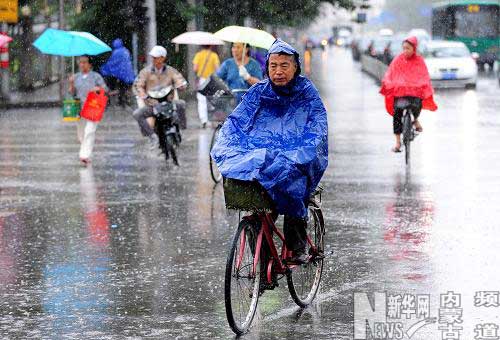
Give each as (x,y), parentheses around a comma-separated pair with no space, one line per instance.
(71,110)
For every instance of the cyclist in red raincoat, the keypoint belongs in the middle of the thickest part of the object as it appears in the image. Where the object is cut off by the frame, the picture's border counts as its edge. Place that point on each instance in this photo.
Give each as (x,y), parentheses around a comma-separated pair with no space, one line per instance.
(407,77)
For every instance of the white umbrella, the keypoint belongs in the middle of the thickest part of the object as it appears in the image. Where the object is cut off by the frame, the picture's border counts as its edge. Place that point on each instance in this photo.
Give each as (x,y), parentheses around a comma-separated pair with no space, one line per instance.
(197,38)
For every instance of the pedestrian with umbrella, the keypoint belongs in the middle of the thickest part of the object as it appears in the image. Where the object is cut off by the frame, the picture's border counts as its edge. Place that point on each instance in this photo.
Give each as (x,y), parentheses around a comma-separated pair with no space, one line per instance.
(80,85)
(205,62)
(241,71)
(82,44)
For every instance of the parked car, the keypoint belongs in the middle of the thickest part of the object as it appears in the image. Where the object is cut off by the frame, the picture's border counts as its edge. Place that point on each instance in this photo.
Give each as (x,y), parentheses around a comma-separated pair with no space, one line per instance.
(422,35)
(450,64)
(377,47)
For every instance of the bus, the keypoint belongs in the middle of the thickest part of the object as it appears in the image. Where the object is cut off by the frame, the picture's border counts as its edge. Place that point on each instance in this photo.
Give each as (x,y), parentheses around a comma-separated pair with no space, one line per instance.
(475,23)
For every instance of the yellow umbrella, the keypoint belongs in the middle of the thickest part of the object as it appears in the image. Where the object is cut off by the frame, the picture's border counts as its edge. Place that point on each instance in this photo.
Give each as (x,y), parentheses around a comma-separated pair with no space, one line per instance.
(246,35)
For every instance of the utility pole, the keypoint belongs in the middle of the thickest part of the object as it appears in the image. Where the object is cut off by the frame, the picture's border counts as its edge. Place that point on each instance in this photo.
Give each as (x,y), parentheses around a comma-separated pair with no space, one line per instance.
(152,33)
(62,71)
(191,49)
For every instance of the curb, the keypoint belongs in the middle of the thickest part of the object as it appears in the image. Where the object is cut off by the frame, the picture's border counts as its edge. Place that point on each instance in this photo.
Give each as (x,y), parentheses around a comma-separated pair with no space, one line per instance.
(30,105)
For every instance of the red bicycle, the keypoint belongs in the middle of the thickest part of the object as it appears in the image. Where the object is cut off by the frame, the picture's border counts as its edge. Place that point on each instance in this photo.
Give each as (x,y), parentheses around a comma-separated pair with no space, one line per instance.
(248,275)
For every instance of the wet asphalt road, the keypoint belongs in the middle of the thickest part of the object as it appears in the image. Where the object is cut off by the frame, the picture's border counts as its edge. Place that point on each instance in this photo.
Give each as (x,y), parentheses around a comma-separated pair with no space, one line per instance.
(131,248)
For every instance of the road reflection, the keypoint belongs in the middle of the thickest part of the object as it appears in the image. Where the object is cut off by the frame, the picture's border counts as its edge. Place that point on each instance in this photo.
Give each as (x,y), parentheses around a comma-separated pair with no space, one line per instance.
(408,222)
(76,287)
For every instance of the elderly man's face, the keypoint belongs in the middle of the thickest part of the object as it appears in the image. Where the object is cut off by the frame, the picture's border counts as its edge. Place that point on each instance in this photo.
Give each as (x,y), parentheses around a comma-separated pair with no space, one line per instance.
(281,69)
(158,62)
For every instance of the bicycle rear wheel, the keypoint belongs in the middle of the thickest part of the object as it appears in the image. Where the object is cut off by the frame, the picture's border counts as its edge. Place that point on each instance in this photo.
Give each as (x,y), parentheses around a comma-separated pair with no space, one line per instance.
(214,171)
(303,281)
(241,286)
(407,135)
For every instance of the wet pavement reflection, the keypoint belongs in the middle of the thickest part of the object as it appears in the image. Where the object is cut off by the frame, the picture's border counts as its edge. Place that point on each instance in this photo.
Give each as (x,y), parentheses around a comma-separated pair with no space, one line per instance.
(134,248)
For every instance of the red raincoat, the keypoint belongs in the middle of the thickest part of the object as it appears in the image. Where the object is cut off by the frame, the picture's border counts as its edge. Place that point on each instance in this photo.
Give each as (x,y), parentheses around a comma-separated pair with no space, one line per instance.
(408,77)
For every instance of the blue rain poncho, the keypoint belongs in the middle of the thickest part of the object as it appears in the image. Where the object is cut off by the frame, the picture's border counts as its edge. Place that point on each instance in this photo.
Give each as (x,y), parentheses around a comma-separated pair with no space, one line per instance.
(119,64)
(277,135)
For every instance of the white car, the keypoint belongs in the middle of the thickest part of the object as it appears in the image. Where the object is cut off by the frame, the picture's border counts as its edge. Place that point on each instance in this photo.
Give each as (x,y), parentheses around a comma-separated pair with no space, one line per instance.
(450,64)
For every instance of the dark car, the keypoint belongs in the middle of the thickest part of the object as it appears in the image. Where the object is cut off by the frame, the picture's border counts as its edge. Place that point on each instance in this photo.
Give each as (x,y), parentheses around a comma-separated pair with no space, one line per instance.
(392,49)
(377,47)
(358,47)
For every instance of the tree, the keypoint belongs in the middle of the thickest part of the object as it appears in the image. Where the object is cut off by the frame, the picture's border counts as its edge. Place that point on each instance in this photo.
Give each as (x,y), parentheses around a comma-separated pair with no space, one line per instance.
(219,13)
(109,19)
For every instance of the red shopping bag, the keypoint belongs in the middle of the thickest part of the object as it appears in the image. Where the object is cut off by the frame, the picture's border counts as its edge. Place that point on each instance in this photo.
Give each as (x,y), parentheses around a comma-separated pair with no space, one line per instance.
(94,106)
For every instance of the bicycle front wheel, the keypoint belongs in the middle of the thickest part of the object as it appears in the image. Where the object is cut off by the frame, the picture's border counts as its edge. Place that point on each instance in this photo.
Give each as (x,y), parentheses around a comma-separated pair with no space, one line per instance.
(241,286)
(303,281)
(170,146)
(214,171)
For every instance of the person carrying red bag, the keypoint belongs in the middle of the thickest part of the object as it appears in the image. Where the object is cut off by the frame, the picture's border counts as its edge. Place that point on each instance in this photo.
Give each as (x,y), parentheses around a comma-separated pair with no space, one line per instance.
(80,85)
(408,77)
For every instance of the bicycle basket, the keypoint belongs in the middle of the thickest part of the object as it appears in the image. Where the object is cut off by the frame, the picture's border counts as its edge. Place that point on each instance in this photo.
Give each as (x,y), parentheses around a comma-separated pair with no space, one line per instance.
(219,107)
(246,196)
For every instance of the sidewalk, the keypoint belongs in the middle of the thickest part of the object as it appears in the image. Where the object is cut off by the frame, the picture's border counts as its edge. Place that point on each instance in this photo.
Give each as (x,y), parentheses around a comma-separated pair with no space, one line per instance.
(47,96)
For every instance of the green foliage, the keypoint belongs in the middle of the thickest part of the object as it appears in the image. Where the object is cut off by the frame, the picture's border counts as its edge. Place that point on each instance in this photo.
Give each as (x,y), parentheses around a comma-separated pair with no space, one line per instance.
(220,13)
(110,19)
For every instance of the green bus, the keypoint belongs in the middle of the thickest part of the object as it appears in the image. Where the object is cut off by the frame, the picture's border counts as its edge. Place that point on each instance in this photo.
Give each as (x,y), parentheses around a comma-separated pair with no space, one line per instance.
(475,23)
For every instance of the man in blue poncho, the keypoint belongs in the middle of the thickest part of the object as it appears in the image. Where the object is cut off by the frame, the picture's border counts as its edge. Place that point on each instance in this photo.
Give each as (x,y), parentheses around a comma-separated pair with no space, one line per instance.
(278,136)
(118,70)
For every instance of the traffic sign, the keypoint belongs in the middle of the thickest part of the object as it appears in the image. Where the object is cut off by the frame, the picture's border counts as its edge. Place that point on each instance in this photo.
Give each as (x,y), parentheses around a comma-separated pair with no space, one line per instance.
(8,11)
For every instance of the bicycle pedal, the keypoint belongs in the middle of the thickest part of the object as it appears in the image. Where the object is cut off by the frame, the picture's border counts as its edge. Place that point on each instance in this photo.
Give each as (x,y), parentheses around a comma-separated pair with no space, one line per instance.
(267,286)
(319,256)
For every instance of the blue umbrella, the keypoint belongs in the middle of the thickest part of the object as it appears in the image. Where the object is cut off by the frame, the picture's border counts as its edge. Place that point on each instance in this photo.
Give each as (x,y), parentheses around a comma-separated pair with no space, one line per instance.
(69,43)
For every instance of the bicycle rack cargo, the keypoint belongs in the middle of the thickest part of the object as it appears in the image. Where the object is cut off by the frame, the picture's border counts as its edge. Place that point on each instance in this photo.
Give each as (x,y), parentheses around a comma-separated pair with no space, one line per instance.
(246,196)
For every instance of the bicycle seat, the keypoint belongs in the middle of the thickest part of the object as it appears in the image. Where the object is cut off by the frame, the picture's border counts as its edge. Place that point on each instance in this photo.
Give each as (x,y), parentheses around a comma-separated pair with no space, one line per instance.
(402,103)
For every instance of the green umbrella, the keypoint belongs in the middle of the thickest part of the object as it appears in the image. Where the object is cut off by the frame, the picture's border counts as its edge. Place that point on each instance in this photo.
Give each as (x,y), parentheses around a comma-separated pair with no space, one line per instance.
(246,35)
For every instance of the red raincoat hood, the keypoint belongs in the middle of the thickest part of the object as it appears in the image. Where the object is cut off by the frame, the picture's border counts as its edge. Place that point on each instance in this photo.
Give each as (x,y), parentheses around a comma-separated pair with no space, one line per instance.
(413,41)
(408,77)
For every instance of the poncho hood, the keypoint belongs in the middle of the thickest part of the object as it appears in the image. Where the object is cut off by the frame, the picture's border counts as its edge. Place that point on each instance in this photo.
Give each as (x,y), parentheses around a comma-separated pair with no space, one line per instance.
(281,47)
(117,43)
(119,64)
(413,41)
